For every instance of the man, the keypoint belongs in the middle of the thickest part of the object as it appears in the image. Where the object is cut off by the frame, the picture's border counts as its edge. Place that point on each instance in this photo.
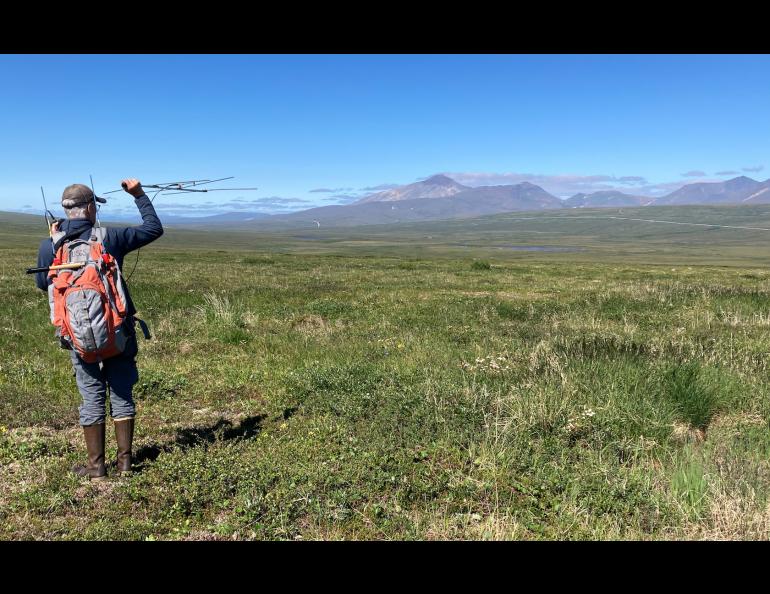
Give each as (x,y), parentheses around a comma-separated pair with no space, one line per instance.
(118,372)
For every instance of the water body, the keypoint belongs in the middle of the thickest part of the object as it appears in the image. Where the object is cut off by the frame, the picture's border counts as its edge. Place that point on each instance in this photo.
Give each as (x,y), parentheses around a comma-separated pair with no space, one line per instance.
(539,248)
(525,248)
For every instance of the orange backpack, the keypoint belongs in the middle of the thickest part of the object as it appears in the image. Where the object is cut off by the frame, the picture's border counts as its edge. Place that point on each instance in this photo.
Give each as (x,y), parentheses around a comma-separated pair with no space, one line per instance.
(88,303)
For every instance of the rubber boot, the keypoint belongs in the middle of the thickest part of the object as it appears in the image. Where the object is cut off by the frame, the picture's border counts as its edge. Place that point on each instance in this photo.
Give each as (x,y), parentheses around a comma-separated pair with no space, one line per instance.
(94,469)
(124,435)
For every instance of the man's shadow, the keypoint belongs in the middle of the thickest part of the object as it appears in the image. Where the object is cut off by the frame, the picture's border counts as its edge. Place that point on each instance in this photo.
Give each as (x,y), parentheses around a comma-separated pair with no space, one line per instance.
(222,430)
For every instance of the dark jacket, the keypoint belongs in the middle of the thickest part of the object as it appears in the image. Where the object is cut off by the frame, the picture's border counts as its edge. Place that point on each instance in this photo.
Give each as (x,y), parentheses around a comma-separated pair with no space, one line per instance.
(119,241)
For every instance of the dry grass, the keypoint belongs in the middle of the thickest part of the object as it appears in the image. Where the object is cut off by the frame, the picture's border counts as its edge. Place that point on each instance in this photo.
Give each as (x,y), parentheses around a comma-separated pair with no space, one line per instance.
(684,434)
(311,324)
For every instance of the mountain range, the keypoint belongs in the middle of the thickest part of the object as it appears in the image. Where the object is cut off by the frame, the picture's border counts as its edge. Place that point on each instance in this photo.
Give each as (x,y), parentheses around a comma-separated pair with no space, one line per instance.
(531,197)
(440,197)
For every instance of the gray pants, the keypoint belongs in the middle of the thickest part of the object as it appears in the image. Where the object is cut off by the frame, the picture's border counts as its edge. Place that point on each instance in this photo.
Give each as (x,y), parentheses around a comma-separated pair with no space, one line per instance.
(119,372)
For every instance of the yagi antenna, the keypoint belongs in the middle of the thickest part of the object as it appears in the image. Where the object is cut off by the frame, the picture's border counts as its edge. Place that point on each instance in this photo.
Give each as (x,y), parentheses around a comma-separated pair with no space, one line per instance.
(187,186)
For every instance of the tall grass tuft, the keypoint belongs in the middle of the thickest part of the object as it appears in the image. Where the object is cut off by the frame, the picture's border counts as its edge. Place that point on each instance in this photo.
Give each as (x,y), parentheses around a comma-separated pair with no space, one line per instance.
(224,318)
(695,395)
(689,484)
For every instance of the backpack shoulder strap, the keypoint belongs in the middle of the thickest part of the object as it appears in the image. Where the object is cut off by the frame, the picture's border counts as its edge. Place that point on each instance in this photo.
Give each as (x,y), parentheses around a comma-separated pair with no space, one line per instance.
(56,240)
(59,238)
(100,233)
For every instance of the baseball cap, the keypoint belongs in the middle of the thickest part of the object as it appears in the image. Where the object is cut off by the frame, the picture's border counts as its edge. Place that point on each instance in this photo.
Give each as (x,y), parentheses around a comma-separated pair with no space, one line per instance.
(78,195)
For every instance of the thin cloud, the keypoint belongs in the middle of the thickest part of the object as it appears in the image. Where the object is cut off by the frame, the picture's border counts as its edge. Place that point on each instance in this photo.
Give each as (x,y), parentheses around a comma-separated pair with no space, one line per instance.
(235,202)
(559,185)
(567,185)
(265,205)
(342,198)
(497,179)
(331,190)
(694,173)
(380,188)
(727,173)
(278,199)
(668,187)
(754,169)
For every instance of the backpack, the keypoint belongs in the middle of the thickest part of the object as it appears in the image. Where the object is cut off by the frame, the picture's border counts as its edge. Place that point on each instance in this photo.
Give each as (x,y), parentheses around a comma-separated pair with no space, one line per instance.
(88,304)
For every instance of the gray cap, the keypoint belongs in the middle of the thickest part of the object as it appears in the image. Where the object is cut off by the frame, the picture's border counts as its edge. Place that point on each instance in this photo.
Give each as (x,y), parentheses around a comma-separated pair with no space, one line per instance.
(78,195)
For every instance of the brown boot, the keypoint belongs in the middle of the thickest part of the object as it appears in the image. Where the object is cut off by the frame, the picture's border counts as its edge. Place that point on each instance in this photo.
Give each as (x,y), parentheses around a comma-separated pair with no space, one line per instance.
(124,435)
(95,445)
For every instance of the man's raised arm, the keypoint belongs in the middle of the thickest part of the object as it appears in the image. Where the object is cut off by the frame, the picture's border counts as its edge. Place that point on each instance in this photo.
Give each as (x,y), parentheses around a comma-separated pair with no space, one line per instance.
(133,238)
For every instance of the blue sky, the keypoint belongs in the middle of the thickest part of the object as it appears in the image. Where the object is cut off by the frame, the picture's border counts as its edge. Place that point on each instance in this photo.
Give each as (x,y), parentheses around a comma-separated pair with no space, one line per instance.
(316,130)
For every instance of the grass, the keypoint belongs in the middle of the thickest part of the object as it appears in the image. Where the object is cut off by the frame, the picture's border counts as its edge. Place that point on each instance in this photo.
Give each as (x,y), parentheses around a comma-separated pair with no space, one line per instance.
(696,397)
(481,265)
(689,484)
(321,391)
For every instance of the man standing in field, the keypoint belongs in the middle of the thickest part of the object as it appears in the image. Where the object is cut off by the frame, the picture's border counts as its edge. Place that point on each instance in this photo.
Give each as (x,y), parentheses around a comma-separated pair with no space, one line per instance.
(119,372)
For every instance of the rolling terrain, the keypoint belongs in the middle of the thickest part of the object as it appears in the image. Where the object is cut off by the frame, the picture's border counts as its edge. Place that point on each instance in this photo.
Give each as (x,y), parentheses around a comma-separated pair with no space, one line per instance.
(545,375)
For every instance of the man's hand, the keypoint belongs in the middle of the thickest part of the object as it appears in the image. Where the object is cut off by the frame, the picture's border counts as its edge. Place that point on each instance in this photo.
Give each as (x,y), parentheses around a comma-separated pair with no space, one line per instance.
(133,187)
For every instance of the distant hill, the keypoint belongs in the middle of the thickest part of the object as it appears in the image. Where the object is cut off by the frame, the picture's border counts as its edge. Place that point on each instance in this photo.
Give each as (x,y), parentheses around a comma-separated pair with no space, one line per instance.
(228,217)
(21,217)
(606,199)
(437,186)
(523,196)
(471,202)
(734,191)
